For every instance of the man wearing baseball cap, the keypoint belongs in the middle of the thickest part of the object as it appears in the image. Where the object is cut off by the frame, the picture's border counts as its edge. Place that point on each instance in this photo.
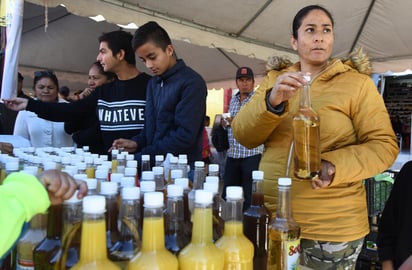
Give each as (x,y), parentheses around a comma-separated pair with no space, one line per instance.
(241,161)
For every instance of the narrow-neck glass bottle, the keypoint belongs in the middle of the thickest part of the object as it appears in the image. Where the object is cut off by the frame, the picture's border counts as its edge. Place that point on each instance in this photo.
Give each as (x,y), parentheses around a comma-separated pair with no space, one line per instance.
(26,244)
(256,220)
(306,137)
(201,252)
(49,246)
(237,247)
(69,253)
(93,252)
(175,237)
(284,232)
(153,254)
(129,244)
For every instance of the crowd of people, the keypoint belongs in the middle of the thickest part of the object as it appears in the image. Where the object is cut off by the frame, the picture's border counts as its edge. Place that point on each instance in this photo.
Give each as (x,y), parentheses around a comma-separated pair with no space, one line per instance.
(124,108)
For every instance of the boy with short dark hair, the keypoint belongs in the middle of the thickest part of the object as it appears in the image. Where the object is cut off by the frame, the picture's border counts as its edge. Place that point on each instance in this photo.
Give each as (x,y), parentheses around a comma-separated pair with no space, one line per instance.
(175,100)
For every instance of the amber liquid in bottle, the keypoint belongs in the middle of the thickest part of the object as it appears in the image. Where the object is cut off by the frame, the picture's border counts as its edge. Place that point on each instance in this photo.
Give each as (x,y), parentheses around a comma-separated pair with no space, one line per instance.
(284,233)
(306,137)
(256,221)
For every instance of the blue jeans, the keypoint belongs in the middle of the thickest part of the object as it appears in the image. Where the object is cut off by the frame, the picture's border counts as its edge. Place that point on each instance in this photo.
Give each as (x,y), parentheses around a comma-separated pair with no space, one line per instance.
(238,172)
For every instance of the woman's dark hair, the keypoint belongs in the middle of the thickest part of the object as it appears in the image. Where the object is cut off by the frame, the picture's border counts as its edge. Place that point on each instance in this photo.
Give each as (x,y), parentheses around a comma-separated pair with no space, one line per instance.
(120,40)
(109,75)
(45,74)
(151,31)
(297,21)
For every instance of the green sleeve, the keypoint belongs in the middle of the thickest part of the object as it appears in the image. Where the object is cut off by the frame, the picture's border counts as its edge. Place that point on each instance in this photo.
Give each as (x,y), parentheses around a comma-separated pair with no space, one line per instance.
(21,197)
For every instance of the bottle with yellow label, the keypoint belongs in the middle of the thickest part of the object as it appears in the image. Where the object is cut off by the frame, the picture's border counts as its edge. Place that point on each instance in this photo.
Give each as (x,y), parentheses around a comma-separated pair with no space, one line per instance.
(284,232)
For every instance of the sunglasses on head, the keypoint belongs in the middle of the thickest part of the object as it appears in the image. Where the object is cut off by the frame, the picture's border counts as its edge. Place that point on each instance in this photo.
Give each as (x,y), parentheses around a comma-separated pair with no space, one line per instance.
(44,73)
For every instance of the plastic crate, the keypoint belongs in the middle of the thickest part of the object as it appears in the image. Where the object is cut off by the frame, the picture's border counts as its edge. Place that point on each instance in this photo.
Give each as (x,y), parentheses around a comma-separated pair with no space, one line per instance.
(378,189)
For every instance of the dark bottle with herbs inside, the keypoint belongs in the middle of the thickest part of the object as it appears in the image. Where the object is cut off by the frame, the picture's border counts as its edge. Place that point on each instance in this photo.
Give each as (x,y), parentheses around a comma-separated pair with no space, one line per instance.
(306,136)
(256,221)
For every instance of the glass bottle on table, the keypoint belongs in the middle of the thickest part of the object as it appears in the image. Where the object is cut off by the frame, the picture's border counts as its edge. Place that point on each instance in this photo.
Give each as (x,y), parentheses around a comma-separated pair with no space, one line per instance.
(175,237)
(198,180)
(201,252)
(159,160)
(218,203)
(306,136)
(159,178)
(50,245)
(153,254)
(284,232)
(146,163)
(237,247)
(187,217)
(256,220)
(93,252)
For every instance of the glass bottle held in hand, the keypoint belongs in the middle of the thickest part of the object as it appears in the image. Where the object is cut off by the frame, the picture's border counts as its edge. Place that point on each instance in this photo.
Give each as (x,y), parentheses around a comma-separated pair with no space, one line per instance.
(284,232)
(306,136)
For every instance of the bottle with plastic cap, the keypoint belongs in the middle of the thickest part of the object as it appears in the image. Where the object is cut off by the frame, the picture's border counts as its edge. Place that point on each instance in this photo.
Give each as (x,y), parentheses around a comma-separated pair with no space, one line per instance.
(175,237)
(159,160)
(218,209)
(130,230)
(256,220)
(146,163)
(81,167)
(175,173)
(306,136)
(182,165)
(153,254)
(201,252)
(121,162)
(173,164)
(187,217)
(147,176)
(91,186)
(49,165)
(50,245)
(158,173)
(69,253)
(132,172)
(237,247)
(127,181)
(114,154)
(109,191)
(90,170)
(101,176)
(198,180)
(145,186)
(93,252)
(284,232)
(26,244)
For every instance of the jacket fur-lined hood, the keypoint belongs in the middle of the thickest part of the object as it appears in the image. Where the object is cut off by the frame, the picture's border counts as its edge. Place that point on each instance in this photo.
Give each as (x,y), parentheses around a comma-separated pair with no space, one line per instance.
(358,60)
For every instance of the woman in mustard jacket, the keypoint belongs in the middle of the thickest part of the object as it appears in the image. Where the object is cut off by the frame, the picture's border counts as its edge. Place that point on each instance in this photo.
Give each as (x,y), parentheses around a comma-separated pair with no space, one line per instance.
(357,140)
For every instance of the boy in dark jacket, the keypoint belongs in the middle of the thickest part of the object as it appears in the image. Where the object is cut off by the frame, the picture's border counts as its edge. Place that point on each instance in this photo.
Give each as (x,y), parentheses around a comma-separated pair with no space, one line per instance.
(175,100)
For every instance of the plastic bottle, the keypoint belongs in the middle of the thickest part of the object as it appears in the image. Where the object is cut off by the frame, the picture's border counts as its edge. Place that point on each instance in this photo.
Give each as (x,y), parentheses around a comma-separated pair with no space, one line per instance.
(218,203)
(114,153)
(145,186)
(153,254)
(90,169)
(306,137)
(50,245)
(146,163)
(129,215)
(26,244)
(175,237)
(159,160)
(214,171)
(93,252)
(132,172)
(198,180)
(187,217)
(175,173)
(69,253)
(182,165)
(237,247)
(256,220)
(121,162)
(284,232)
(173,165)
(109,191)
(201,253)
(91,186)
(101,176)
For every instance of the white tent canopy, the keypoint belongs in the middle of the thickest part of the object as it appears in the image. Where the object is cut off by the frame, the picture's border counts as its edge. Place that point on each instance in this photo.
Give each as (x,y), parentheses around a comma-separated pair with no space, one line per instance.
(237,32)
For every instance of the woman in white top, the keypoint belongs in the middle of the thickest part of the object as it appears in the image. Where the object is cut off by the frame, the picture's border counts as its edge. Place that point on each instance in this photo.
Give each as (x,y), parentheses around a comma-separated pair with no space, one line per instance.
(38,131)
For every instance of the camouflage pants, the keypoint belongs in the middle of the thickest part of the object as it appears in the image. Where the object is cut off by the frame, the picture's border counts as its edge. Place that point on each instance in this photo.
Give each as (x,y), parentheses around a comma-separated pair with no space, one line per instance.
(320,255)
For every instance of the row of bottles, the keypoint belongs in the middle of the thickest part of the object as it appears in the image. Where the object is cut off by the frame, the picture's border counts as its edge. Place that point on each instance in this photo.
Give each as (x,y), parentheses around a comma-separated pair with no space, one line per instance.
(124,236)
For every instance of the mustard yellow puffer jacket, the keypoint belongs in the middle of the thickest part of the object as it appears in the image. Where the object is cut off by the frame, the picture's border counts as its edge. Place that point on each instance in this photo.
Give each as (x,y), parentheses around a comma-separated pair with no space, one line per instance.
(356,136)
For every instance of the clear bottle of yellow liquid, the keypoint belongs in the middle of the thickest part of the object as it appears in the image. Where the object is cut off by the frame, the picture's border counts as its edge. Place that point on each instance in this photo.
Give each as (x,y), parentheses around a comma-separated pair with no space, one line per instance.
(201,253)
(284,232)
(153,254)
(306,136)
(238,249)
(93,252)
